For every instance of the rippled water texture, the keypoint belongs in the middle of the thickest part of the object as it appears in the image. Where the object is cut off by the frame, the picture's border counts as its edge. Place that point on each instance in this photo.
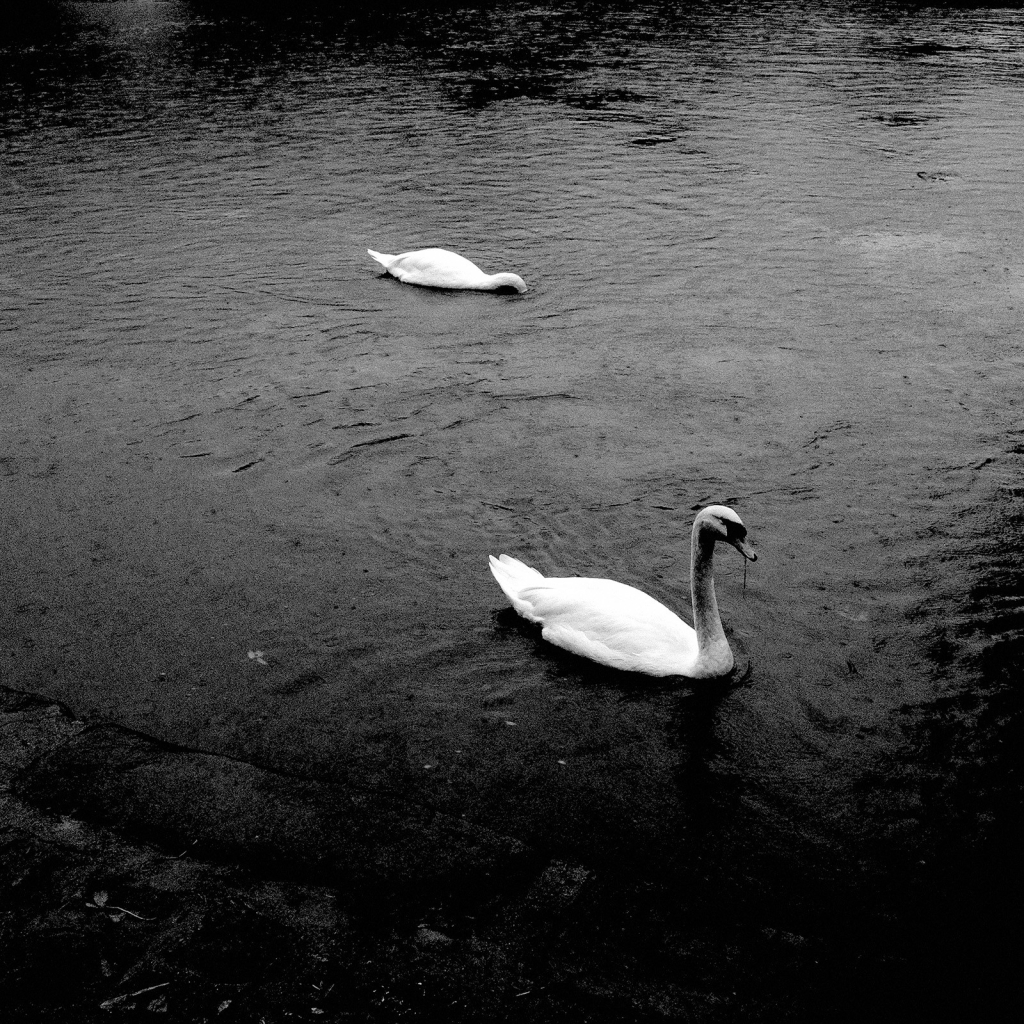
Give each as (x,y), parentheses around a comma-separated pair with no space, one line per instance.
(773,251)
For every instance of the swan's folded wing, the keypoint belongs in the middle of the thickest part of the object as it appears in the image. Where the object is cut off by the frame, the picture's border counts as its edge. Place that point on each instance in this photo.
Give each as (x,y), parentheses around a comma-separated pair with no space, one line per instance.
(437,268)
(408,269)
(609,622)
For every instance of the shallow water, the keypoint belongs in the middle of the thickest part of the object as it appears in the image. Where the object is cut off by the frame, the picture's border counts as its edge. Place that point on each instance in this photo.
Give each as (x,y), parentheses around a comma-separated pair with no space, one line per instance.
(773,258)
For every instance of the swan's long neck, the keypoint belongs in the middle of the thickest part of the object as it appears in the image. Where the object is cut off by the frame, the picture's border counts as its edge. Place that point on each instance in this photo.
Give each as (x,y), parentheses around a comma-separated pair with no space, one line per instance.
(715,655)
(506,280)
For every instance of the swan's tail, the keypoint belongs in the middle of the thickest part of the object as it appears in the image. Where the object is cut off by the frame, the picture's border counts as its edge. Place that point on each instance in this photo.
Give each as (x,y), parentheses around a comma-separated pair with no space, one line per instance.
(511,568)
(382,258)
(512,576)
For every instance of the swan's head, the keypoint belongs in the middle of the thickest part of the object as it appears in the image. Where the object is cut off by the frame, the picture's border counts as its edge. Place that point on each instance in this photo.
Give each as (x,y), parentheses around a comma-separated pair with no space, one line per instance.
(508,281)
(723,524)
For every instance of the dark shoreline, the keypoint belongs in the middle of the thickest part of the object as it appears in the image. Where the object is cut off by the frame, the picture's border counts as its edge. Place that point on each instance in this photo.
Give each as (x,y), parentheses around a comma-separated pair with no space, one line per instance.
(105,917)
(137,884)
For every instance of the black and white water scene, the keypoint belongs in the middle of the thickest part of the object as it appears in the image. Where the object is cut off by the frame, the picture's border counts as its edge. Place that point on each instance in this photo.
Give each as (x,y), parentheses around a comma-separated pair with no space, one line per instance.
(276,743)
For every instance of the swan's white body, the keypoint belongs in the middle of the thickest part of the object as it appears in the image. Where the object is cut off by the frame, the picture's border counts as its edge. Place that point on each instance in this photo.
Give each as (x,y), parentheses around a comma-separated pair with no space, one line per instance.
(439,268)
(620,626)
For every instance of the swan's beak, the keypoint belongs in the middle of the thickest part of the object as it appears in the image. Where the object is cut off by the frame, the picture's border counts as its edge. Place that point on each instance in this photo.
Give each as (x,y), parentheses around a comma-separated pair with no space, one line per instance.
(744,549)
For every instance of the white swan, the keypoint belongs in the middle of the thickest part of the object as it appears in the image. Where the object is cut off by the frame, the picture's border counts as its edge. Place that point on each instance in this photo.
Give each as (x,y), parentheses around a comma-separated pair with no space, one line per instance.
(623,627)
(439,268)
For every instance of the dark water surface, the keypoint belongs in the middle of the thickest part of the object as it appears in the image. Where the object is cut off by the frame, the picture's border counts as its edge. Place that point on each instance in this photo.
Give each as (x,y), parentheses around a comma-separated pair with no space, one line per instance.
(774,259)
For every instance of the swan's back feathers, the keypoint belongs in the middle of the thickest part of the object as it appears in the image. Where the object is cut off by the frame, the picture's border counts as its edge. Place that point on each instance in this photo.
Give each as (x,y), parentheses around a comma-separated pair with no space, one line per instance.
(612,611)
(382,258)
(434,268)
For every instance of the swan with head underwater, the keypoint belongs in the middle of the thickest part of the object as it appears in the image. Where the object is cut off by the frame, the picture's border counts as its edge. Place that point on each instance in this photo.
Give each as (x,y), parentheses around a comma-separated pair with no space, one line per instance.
(439,268)
(622,627)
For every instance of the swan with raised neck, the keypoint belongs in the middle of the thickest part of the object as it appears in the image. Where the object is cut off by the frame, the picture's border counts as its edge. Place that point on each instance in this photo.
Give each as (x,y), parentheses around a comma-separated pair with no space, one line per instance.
(617,625)
(439,268)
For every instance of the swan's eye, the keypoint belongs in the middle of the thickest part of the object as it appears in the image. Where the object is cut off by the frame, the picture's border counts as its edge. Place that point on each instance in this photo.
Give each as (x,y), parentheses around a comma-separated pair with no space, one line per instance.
(735,531)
